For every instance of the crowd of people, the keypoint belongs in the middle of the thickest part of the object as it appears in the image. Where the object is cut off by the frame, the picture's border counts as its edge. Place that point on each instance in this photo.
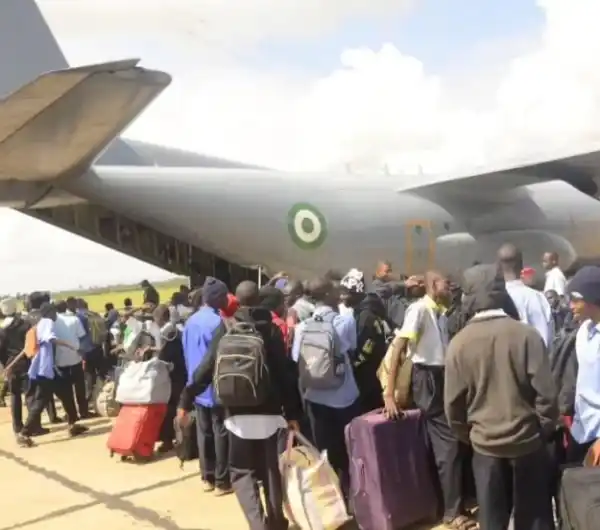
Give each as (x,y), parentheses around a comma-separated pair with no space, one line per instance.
(504,374)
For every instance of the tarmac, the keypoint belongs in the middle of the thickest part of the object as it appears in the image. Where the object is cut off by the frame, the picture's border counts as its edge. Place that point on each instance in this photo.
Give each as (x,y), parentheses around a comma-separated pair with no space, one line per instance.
(70,484)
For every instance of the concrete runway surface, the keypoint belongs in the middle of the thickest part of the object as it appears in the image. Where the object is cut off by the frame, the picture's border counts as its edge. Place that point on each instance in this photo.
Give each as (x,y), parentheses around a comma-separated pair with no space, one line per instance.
(65,484)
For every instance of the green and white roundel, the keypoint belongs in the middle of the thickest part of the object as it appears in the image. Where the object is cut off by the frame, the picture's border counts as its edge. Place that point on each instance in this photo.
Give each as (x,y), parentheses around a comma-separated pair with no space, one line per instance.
(307,226)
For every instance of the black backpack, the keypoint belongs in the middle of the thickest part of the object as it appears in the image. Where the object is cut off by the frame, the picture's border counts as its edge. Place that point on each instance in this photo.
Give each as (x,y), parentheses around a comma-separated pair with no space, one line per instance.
(241,377)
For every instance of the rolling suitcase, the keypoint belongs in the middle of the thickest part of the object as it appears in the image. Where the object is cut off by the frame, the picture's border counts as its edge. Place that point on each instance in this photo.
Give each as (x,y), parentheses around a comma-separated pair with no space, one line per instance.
(391,482)
(136,430)
(579,499)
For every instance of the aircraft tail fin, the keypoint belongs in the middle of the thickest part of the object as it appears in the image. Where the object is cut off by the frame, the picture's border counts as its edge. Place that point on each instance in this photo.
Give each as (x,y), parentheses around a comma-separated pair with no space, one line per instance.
(58,124)
(27,46)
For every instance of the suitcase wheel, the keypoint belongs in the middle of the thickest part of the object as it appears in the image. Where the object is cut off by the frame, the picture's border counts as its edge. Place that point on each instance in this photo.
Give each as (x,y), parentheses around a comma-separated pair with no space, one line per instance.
(123,458)
(112,453)
(139,459)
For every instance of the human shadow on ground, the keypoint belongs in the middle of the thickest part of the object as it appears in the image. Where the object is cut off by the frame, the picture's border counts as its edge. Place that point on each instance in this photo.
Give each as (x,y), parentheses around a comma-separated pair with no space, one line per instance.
(114,501)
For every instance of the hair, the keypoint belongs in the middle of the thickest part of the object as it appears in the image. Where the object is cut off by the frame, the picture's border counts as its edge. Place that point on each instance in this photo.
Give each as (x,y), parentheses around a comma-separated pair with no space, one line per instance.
(109,306)
(320,289)
(247,293)
(36,299)
(510,259)
(61,306)
(127,302)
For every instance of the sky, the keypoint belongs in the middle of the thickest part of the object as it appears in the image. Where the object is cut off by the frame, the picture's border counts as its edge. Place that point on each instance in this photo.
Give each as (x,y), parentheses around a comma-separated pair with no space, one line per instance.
(307,84)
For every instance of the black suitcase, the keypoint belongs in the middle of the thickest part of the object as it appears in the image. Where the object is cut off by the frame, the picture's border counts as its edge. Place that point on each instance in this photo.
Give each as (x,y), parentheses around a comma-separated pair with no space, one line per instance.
(580,498)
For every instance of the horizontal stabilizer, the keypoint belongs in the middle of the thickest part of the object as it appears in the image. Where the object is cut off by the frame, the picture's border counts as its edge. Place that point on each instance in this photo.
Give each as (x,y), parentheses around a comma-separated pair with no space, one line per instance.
(581,170)
(58,124)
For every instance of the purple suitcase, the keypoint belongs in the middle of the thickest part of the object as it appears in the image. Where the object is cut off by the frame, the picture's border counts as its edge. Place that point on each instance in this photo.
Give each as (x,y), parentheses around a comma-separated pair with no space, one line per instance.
(391,484)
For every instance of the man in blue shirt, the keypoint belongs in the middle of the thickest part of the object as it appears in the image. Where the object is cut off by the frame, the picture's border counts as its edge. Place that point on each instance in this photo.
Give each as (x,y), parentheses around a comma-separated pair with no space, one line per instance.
(213,443)
(329,411)
(45,378)
(584,291)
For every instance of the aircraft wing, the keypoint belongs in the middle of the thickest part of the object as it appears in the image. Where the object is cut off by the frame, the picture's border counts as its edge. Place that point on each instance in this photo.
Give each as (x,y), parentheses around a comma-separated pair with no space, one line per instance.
(580,170)
(58,124)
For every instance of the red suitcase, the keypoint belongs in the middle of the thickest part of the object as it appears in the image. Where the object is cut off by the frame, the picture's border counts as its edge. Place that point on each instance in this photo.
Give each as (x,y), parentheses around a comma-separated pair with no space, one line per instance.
(136,430)
(391,480)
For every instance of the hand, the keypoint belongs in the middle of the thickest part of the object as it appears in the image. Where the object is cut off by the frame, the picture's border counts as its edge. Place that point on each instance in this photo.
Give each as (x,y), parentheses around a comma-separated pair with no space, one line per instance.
(593,455)
(293,425)
(414,281)
(390,409)
(183,417)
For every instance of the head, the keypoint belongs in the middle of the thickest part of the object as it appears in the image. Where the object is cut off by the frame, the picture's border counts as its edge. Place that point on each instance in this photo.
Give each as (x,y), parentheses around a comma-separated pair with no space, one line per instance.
(333,275)
(553,298)
(161,315)
(82,304)
(195,299)
(292,292)
(71,304)
(144,284)
(232,306)
(184,290)
(109,306)
(584,293)
(550,260)
(528,276)
(127,303)
(61,307)
(214,293)
(383,271)
(324,292)
(437,287)
(510,261)
(353,287)
(36,299)
(272,299)
(247,294)
(484,288)
(48,311)
(178,298)
(8,307)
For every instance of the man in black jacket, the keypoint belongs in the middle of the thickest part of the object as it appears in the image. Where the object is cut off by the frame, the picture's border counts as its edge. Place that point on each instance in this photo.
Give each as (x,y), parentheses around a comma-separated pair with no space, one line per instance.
(253,430)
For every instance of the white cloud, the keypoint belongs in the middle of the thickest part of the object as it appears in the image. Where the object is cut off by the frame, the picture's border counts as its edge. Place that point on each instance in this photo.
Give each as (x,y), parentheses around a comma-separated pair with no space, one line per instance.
(379,106)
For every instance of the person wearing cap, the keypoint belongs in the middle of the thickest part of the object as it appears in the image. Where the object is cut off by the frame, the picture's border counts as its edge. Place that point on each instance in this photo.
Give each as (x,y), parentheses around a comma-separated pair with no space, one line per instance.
(500,398)
(584,294)
(198,334)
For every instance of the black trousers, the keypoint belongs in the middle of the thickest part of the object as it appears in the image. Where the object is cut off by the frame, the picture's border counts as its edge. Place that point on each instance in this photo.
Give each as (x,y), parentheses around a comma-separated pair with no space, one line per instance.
(94,369)
(448,452)
(526,479)
(16,386)
(31,395)
(41,391)
(252,461)
(75,379)
(327,425)
(213,446)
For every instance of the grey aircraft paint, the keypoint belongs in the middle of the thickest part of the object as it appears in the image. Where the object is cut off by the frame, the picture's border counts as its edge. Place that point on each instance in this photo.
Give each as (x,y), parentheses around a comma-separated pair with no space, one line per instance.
(298,222)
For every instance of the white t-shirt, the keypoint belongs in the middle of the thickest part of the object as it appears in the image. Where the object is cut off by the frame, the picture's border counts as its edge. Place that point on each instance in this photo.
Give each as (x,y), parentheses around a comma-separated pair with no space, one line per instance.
(555,281)
(69,328)
(425,327)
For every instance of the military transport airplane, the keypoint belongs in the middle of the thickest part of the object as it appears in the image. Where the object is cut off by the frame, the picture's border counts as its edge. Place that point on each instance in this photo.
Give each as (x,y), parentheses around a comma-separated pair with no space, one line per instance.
(59,144)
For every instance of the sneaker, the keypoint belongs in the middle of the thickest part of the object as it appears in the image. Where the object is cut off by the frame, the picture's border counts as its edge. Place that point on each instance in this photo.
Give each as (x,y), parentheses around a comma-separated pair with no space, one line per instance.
(57,420)
(165,447)
(89,415)
(40,431)
(207,487)
(24,441)
(76,430)
(220,492)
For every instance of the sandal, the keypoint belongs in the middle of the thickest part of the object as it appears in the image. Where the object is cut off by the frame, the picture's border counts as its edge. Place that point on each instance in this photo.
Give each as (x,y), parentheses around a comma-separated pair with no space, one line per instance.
(461,522)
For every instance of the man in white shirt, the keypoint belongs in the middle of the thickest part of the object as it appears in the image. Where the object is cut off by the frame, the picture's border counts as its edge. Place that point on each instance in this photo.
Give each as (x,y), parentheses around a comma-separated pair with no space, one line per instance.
(532,305)
(555,279)
(69,328)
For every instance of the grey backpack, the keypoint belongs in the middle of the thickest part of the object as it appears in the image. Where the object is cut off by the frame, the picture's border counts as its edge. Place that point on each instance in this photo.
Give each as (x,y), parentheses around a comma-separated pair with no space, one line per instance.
(241,376)
(322,365)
